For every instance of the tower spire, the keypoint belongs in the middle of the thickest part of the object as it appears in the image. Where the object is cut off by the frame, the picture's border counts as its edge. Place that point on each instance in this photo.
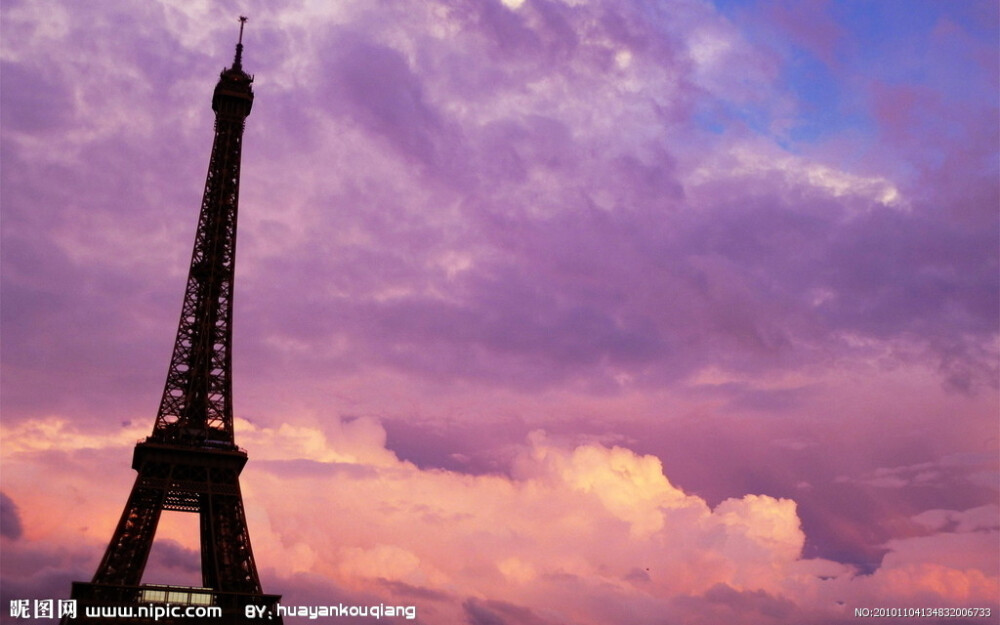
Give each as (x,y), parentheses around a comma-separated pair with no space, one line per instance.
(238,61)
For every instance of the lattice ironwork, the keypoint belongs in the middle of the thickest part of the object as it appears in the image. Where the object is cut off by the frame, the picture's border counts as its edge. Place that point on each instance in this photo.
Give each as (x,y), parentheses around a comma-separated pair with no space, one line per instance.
(190,462)
(197,399)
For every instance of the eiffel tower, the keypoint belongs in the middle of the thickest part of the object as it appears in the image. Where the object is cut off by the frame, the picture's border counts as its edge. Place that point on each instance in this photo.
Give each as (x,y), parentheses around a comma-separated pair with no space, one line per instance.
(191,463)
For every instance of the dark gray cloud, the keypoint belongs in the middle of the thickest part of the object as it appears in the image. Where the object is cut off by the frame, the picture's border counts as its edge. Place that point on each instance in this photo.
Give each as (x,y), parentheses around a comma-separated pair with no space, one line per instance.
(10,519)
(479,612)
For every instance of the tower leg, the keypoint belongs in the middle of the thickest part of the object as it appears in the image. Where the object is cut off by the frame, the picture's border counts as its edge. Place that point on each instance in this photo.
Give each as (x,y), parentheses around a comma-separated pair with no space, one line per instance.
(125,558)
(226,557)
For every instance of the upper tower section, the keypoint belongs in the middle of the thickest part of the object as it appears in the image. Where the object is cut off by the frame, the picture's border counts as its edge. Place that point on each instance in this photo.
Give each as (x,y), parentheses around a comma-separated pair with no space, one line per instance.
(196,409)
(233,96)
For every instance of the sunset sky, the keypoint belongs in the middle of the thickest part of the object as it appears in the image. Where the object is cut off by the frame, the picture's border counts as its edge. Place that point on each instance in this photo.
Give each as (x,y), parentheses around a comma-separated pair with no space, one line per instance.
(547,312)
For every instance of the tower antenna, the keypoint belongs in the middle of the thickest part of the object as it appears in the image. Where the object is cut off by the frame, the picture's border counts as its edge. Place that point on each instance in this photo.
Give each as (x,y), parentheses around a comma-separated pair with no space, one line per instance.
(238,61)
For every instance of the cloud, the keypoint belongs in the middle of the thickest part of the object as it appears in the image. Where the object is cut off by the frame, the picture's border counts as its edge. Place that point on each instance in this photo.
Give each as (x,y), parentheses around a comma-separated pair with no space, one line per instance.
(981,518)
(375,87)
(531,539)
(479,612)
(10,520)
(570,521)
(471,217)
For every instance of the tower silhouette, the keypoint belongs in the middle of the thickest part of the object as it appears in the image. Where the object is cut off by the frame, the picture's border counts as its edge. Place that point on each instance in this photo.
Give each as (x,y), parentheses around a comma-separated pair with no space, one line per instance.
(190,463)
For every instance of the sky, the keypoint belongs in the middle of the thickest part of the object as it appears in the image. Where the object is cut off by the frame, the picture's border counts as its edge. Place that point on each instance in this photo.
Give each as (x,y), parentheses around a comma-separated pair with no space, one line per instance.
(547,312)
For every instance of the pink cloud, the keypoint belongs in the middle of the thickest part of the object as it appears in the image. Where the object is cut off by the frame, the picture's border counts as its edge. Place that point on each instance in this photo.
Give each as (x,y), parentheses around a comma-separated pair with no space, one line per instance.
(593,519)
